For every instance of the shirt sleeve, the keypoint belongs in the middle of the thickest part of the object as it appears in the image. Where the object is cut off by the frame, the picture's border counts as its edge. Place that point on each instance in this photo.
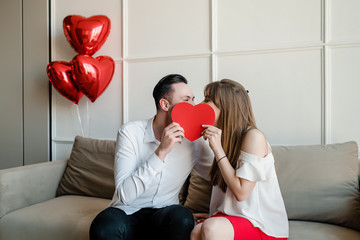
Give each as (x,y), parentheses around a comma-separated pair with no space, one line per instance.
(255,168)
(132,177)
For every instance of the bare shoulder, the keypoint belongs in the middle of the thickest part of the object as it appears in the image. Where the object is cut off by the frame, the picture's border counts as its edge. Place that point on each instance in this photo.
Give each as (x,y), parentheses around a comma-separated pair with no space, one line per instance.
(255,143)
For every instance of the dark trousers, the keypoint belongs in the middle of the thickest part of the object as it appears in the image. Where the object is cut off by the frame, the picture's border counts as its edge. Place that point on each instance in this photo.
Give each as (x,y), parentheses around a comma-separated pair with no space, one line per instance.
(174,222)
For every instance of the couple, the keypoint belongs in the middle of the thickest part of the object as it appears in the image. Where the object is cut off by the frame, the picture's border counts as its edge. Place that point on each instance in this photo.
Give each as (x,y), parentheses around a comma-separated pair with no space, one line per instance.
(151,166)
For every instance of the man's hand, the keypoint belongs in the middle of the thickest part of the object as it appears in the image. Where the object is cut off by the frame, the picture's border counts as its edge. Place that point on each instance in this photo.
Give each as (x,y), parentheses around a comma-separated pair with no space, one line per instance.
(172,134)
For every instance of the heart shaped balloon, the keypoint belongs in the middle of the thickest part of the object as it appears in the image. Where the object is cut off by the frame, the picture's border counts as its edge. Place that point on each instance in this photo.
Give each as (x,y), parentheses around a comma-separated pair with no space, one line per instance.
(86,35)
(92,75)
(60,76)
(192,117)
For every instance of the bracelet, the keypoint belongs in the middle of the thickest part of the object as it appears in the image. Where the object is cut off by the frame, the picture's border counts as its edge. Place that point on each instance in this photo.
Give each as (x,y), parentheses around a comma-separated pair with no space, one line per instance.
(220,159)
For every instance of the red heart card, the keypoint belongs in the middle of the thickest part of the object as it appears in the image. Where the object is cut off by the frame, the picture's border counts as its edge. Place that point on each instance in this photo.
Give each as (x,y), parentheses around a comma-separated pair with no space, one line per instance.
(192,117)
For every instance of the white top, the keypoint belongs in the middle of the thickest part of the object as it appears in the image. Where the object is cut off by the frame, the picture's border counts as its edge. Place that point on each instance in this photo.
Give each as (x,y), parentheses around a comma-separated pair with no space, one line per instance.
(264,208)
(142,179)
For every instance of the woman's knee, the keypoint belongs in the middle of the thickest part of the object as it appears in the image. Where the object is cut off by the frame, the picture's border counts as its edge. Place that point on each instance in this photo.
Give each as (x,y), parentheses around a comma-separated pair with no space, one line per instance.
(208,228)
(216,228)
(196,232)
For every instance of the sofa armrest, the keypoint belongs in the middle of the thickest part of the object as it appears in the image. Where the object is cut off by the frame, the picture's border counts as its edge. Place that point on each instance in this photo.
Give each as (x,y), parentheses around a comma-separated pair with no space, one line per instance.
(359,172)
(27,185)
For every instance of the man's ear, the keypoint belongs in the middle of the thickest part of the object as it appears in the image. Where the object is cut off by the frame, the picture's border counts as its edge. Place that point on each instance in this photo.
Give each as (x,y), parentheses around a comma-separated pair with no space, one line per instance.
(164,104)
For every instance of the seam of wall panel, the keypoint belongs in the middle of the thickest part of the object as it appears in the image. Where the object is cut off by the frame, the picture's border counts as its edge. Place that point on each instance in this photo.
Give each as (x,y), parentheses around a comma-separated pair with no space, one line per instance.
(50,27)
(323,71)
(327,22)
(213,37)
(327,83)
(323,96)
(22,86)
(125,77)
(323,21)
(327,73)
(169,58)
(53,95)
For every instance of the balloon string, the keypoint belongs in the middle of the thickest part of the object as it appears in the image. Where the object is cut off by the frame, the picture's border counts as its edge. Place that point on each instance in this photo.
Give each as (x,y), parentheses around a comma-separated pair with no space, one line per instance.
(88,117)
(79,117)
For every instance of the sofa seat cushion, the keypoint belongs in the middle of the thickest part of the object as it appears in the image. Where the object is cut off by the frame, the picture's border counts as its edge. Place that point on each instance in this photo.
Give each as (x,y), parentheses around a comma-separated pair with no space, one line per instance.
(306,230)
(65,217)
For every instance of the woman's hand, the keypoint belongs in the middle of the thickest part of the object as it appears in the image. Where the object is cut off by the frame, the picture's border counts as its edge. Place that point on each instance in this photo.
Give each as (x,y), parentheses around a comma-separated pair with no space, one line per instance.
(200,217)
(213,134)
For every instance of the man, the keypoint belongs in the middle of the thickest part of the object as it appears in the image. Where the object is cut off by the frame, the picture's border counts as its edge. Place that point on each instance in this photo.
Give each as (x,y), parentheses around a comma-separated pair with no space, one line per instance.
(152,162)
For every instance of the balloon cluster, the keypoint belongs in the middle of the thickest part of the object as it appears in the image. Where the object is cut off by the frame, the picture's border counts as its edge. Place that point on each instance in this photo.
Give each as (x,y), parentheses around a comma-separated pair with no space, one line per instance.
(84,74)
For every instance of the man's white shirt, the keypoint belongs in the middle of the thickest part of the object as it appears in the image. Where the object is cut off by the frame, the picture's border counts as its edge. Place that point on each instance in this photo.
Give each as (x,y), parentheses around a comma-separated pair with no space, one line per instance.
(142,180)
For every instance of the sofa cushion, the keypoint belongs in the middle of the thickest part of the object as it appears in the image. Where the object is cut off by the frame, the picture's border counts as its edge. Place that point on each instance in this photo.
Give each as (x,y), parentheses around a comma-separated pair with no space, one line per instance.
(66,217)
(198,194)
(320,182)
(90,169)
(306,230)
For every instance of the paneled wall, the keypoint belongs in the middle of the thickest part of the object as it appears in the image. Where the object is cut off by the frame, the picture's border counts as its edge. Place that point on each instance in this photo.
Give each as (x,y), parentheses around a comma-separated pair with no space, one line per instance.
(24,86)
(300,60)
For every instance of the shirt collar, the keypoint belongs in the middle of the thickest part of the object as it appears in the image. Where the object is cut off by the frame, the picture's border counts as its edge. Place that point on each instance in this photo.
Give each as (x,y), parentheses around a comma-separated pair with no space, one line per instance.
(149,131)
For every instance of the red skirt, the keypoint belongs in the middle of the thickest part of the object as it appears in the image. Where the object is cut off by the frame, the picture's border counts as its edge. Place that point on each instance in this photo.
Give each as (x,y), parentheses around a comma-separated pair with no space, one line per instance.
(244,230)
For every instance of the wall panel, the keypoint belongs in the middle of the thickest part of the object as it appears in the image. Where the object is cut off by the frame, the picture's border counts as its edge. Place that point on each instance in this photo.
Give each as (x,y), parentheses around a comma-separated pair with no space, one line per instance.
(344,97)
(144,75)
(243,25)
(102,118)
(11,85)
(285,90)
(61,49)
(167,27)
(343,20)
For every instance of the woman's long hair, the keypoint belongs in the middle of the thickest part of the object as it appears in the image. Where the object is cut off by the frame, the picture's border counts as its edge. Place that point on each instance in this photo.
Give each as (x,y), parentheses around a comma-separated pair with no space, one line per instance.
(236,118)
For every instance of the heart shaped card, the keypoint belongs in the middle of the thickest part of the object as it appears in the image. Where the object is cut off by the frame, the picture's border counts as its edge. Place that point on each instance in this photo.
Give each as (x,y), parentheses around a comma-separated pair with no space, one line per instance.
(192,117)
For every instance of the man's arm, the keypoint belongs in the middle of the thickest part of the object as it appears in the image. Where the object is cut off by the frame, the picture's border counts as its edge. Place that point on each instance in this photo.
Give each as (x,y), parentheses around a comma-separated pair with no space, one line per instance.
(132,177)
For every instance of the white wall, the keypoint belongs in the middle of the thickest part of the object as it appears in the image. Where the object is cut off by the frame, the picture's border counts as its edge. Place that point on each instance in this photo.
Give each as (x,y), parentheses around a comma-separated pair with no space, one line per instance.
(24,85)
(300,60)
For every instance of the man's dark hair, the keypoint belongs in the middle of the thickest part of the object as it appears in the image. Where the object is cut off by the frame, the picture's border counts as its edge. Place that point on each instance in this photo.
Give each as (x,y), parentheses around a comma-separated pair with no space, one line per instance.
(163,87)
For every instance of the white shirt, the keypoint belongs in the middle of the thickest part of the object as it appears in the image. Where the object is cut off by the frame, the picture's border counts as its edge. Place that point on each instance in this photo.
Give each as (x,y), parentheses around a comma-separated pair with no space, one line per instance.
(141,179)
(264,208)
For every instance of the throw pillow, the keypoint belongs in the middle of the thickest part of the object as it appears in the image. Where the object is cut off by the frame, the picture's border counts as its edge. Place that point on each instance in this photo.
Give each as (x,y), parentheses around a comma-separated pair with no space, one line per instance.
(90,169)
(320,182)
(198,194)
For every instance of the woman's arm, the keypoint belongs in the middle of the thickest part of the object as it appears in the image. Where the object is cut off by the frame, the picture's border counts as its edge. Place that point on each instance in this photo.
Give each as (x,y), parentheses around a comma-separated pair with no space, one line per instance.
(254,143)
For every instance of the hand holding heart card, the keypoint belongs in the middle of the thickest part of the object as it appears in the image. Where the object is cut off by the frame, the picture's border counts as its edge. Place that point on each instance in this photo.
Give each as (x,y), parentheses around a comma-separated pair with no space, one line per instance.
(191,118)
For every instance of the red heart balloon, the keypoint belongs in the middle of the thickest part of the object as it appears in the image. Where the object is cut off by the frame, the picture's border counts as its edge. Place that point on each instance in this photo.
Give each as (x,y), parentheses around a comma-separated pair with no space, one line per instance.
(60,76)
(92,75)
(192,117)
(86,35)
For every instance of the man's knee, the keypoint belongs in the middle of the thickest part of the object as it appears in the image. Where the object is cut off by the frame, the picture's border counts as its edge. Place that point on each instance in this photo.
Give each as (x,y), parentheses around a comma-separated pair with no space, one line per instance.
(181,216)
(108,225)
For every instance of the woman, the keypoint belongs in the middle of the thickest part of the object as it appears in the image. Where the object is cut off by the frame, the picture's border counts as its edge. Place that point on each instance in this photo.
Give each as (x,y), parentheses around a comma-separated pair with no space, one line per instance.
(246,201)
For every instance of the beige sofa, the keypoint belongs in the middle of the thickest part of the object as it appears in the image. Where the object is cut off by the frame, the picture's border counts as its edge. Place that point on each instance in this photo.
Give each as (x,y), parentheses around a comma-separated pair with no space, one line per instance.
(58,200)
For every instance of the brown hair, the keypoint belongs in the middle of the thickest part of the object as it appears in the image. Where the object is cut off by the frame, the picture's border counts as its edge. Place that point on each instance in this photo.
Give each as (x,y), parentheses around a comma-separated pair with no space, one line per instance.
(236,118)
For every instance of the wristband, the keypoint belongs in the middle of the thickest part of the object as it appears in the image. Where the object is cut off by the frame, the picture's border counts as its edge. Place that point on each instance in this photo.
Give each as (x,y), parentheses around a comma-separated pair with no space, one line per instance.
(220,159)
